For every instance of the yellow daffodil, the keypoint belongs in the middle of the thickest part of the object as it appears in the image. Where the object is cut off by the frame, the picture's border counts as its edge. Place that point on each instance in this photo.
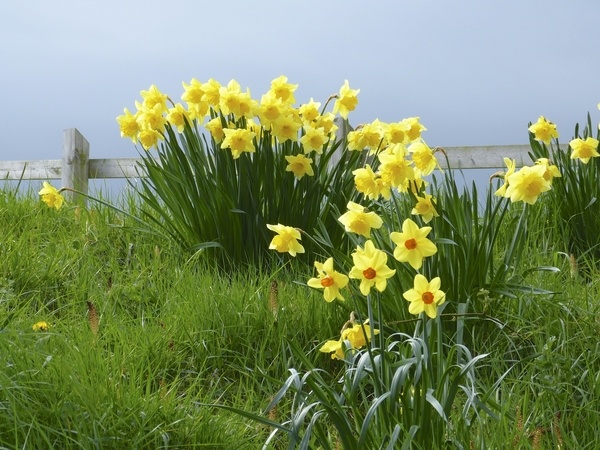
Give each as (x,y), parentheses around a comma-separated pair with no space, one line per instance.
(286,128)
(335,348)
(395,170)
(128,125)
(215,128)
(415,128)
(358,335)
(510,165)
(286,240)
(177,117)
(231,99)
(329,280)
(369,184)
(425,296)
(358,220)
(584,150)
(151,118)
(40,326)
(372,136)
(425,208)
(270,109)
(283,90)
(300,165)
(193,92)
(51,196)
(412,244)
(551,170)
(354,337)
(247,106)
(544,130)
(309,111)
(326,121)
(211,93)
(527,184)
(149,138)
(397,133)
(423,157)
(346,100)
(314,139)
(153,97)
(238,141)
(370,267)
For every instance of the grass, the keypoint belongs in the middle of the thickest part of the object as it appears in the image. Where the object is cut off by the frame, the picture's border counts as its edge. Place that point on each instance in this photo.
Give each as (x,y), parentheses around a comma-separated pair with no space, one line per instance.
(175,335)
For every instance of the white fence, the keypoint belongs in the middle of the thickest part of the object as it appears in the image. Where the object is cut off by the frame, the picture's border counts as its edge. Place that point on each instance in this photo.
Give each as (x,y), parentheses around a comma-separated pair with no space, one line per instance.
(76,168)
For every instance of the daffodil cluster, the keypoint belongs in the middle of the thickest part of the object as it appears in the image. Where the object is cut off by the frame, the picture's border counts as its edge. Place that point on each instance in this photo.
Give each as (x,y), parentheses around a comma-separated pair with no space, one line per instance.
(529,182)
(401,159)
(236,121)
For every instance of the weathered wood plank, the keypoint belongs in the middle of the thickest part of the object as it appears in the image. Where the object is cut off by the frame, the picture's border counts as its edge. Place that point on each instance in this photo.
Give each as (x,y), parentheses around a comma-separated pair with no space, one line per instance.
(484,157)
(75,165)
(31,170)
(115,168)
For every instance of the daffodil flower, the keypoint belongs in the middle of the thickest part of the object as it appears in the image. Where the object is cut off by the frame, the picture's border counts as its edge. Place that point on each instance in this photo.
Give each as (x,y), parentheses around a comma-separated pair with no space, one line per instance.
(544,130)
(425,296)
(412,245)
(358,220)
(51,196)
(527,184)
(329,280)
(286,240)
(370,267)
(584,150)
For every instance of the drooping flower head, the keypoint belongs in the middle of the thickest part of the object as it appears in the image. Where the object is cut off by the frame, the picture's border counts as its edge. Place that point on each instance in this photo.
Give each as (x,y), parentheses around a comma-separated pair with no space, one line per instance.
(354,337)
(369,184)
(511,166)
(359,220)
(544,130)
(177,116)
(412,245)
(328,279)
(425,296)
(51,196)
(346,100)
(584,150)
(425,208)
(370,267)
(423,157)
(551,170)
(299,165)
(527,184)
(128,125)
(215,128)
(286,240)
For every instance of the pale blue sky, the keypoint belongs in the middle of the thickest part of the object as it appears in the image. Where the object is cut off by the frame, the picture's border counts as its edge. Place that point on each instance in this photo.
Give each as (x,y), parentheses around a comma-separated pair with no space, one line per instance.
(476,72)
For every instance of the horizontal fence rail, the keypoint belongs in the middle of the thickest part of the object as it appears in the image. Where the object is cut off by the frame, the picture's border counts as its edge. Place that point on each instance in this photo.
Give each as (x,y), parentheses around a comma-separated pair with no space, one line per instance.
(76,168)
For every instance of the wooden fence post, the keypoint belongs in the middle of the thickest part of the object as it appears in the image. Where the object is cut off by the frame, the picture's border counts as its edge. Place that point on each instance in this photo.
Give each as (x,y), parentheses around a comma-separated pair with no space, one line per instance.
(75,164)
